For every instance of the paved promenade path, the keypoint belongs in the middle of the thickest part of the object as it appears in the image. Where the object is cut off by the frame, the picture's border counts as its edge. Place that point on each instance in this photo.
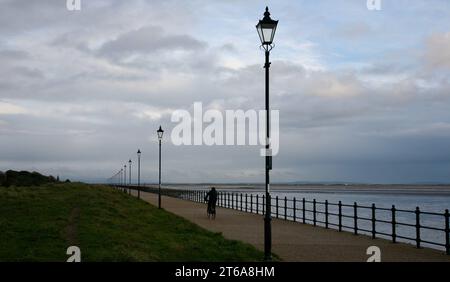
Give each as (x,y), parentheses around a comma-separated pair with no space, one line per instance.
(293,241)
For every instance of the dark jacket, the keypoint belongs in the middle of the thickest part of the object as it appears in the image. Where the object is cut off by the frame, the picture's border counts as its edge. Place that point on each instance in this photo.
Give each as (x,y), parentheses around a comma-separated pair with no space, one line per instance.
(211,196)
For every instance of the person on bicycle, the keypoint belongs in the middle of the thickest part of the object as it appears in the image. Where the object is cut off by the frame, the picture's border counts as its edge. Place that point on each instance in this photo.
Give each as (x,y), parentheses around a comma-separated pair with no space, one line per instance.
(211,198)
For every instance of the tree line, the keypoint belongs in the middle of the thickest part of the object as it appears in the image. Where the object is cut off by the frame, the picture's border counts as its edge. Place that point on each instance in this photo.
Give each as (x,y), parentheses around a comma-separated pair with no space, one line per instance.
(26,178)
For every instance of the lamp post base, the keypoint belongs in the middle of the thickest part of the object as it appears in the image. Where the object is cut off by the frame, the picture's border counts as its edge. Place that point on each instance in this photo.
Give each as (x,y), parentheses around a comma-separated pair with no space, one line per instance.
(267,231)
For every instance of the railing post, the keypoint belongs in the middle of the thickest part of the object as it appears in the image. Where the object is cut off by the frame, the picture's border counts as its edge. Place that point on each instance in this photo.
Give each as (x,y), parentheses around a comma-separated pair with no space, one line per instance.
(417,227)
(294,209)
(277,205)
(314,212)
(447,231)
(374,232)
(251,203)
(304,210)
(241,200)
(326,214)
(394,225)
(340,216)
(232,201)
(245,202)
(264,204)
(285,208)
(257,204)
(355,218)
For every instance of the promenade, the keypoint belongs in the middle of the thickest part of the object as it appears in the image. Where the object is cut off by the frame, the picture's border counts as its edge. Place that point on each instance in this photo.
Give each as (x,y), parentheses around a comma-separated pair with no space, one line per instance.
(293,241)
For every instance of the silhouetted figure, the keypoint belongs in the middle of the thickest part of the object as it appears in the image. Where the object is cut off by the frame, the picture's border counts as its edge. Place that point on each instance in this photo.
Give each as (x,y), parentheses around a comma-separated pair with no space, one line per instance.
(211,198)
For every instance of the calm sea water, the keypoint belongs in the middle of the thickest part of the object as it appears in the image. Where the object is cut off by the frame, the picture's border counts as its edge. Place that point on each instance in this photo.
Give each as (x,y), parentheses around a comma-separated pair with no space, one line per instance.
(427,198)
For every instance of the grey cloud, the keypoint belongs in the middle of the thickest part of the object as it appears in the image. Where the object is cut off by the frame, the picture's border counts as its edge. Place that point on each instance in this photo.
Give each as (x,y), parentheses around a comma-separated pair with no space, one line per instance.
(8,55)
(148,40)
(354,30)
(97,84)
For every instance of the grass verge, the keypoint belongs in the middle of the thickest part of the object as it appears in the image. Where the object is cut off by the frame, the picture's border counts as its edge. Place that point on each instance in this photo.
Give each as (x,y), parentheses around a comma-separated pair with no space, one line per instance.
(40,223)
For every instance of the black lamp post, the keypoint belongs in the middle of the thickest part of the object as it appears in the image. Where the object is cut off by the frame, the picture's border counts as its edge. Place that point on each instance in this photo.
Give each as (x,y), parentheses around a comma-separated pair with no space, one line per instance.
(266,30)
(125,177)
(139,173)
(160,136)
(129,175)
(121,177)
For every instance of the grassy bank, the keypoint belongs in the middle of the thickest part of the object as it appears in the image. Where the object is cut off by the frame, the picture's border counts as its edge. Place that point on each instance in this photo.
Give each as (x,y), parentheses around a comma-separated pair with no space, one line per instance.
(40,223)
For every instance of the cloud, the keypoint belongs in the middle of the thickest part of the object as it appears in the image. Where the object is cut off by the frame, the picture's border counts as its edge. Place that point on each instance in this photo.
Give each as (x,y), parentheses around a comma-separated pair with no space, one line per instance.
(80,92)
(437,52)
(10,109)
(354,30)
(149,40)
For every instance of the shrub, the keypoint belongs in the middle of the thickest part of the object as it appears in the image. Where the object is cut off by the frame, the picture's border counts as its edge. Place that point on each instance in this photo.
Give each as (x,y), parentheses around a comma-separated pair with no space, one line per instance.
(25,178)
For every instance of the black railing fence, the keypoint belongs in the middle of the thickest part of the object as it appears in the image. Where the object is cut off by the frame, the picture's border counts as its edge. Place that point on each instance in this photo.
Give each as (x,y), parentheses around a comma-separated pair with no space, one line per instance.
(411,226)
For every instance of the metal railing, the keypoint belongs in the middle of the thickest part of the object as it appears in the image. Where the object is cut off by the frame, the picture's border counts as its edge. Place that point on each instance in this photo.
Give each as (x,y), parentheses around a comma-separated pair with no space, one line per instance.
(358,219)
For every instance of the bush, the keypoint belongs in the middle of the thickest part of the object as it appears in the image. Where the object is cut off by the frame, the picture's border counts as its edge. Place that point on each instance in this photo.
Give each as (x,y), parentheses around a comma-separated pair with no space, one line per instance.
(2,178)
(25,178)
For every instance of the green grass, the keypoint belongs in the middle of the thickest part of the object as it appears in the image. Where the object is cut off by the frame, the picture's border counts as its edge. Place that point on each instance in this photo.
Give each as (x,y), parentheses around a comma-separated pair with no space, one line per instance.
(40,223)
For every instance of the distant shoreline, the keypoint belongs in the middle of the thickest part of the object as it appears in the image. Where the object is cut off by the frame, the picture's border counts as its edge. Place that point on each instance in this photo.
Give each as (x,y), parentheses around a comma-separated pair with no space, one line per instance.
(332,188)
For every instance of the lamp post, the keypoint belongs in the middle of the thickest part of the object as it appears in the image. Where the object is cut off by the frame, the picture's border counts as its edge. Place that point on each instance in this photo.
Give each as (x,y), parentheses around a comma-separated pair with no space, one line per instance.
(129,175)
(266,30)
(120,177)
(125,178)
(139,173)
(160,136)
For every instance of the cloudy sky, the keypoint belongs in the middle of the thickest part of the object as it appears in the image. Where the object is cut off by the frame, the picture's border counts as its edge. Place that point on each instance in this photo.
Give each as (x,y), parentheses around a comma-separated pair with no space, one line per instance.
(363,95)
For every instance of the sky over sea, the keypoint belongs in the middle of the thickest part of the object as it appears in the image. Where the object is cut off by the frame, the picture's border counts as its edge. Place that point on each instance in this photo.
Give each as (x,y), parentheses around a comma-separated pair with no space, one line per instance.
(363,95)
